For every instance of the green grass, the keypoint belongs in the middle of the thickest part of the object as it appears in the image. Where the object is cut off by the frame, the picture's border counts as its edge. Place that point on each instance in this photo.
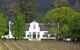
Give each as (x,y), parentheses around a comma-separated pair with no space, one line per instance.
(38,45)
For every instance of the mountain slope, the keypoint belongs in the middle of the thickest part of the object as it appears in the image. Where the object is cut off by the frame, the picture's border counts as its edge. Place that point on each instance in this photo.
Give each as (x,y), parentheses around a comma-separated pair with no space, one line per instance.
(42,5)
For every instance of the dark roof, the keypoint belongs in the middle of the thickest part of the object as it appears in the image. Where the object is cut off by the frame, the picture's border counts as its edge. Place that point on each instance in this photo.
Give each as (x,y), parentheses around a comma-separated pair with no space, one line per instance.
(43,27)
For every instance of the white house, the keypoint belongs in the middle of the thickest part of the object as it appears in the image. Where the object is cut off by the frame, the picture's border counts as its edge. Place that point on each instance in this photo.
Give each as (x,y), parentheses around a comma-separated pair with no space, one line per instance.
(38,31)
(34,31)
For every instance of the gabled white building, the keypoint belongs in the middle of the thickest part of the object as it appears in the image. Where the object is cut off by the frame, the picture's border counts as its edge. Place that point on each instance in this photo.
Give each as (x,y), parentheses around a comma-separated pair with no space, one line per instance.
(34,31)
(38,31)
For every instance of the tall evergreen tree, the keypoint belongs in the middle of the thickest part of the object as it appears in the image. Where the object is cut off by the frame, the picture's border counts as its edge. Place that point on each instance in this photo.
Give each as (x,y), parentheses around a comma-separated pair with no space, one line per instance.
(77,7)
(17,7)
(59,3)
(25,6)
(18,19)
(30,10)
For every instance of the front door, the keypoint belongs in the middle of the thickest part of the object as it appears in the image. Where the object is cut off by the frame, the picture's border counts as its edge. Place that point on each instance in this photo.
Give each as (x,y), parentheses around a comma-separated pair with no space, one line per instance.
(34,35)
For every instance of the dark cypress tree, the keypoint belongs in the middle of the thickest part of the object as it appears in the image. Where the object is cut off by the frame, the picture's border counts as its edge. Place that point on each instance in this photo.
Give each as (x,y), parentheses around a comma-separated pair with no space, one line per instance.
(28,7)
(30,11)
(59,3)
(16,10)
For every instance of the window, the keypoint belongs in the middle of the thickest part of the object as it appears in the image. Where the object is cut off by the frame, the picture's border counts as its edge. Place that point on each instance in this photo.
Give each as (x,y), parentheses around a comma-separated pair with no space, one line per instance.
(34,35)
(27,35)
(45,34)
(38,34)
(30,34)
(34,26)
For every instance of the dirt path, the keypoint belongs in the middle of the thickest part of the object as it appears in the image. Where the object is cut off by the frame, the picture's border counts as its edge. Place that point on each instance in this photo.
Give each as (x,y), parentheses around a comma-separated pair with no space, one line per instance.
(10,46)
(3,46)
(36,45)
(20,46)
(49,45)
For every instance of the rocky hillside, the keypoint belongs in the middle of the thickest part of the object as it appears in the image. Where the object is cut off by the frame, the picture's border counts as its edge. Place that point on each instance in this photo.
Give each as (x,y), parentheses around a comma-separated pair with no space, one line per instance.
(42,5)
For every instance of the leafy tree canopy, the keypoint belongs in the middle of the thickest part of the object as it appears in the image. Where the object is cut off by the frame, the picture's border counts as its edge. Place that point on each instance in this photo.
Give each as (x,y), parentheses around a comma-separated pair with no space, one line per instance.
(19,25)
(3,23)
(54,31)
(67,18)
(62,14)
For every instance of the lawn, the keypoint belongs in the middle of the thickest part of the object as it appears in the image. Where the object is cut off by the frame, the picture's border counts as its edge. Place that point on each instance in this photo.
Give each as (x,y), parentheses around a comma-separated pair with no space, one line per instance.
(38,45)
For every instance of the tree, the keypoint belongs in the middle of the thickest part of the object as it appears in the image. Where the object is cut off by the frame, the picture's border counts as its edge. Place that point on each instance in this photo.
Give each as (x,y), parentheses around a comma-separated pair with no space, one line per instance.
(75,27)
(19,25)
(66,18)
(54,31)
(59,3)
(64,30)
(16,7)
(3,23)
(17,10)
(60,16)
(28,7)
(31,12)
